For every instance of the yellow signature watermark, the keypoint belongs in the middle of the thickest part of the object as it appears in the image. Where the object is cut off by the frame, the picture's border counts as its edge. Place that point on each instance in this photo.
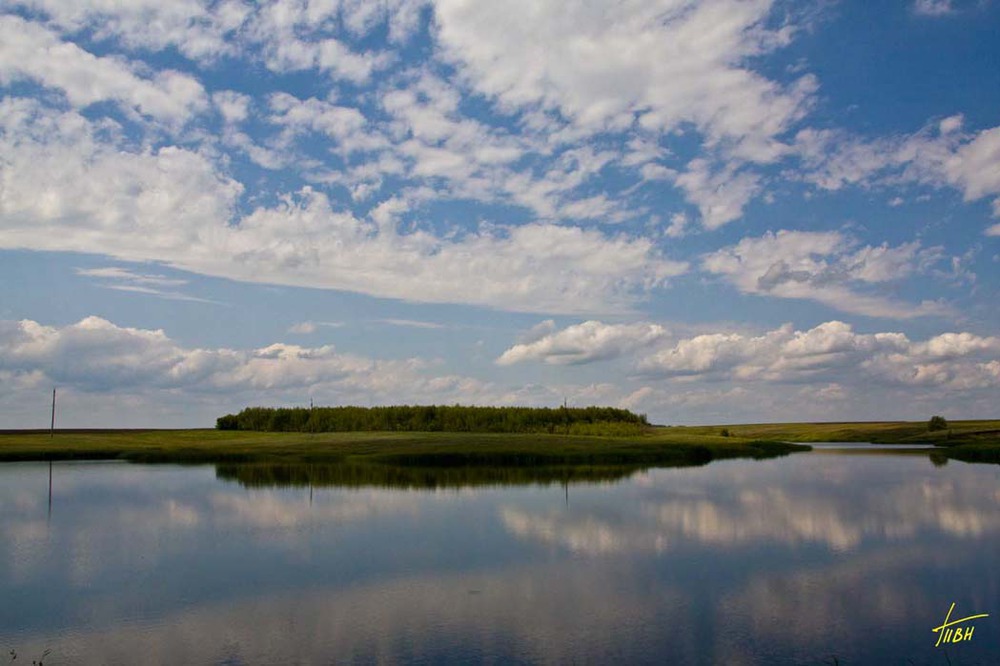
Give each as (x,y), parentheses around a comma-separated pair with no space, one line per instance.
(949,632)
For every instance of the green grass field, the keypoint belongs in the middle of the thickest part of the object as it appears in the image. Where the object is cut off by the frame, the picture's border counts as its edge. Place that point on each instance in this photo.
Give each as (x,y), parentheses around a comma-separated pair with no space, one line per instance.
(964,440)
(399,448)
(971,441)
(887,432)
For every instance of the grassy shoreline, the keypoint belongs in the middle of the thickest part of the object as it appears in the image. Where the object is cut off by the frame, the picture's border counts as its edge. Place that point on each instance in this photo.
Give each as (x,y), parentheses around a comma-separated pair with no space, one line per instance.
(974,441)
(968,441)
(441,449)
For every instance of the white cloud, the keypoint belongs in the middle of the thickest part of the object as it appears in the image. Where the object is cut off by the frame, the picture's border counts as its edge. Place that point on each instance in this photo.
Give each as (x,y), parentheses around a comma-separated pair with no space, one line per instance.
(126,275)
(720,195)
(199,29)
(234,106)
(678,226)
(348,128)
(833,352)
(30,51)
(825,267)
(537,332)
(292,38)
(938,155)
(830,356)
(933,7)
(951,124)
(975,166)
(97,355)
(67,191)
(303,328)
(584,343)
(411,323)
(123,279)
(96,358)
(669,63)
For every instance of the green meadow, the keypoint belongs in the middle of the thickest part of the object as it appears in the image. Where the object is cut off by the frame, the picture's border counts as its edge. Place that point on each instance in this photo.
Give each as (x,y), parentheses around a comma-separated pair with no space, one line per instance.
(678,445)
(439,449)
(971,441)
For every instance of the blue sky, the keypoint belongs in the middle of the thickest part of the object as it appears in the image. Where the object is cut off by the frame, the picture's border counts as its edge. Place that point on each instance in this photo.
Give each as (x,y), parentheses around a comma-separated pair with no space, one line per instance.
(709,212)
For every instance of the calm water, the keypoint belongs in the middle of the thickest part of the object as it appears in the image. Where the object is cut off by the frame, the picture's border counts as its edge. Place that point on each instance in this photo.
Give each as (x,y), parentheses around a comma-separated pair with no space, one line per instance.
(788,561)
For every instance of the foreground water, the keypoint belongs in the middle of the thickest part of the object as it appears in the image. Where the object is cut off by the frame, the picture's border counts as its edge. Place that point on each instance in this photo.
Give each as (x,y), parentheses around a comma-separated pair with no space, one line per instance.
(814,558)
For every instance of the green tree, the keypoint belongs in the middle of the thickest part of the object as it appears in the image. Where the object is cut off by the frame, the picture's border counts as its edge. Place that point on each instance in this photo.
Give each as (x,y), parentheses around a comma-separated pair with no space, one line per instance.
(937,423)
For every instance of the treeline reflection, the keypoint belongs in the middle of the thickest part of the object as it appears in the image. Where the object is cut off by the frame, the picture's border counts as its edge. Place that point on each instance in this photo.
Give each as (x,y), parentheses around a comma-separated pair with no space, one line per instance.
(268,475)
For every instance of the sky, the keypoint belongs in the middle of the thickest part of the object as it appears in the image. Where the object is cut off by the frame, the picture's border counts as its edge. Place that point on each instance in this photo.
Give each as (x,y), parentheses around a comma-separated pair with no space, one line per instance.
(708,212)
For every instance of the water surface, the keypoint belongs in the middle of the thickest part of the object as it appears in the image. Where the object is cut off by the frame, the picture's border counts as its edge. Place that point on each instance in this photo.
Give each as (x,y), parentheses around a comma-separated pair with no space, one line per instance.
(795,560)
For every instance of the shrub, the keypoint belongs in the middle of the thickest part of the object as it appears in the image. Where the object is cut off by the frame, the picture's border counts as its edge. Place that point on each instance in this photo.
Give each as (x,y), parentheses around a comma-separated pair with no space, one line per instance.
(937,423)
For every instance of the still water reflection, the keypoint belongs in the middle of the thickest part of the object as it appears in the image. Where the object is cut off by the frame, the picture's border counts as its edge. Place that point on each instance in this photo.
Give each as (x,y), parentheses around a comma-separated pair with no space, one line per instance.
(796,560)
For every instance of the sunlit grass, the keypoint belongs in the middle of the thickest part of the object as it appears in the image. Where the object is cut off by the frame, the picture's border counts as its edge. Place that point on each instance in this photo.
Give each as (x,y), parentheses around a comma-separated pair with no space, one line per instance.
(965,440)
(400,448)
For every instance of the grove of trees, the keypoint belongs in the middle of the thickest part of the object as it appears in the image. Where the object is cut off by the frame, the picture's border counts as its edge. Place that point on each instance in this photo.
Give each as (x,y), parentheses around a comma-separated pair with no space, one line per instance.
(430,418)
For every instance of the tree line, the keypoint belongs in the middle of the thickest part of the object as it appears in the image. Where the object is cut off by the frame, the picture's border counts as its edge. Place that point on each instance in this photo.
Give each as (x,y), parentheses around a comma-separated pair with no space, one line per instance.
(427,418)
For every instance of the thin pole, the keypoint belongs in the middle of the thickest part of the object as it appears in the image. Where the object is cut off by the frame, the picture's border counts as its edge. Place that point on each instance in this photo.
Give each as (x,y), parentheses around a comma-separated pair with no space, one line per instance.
(52,427)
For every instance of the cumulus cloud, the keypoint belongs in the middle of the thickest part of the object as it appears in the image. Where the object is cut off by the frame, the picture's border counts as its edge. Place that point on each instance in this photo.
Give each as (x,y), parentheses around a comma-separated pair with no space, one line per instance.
(833,351)
(30,51)
(95,358)
(285,34)
(827,267)
(197,28)
(96,355)
(66,190)
(303,328)
(939,155)
(828,356)
(584,343)
(346,126)
(720,195)
(602,65)
(975,166)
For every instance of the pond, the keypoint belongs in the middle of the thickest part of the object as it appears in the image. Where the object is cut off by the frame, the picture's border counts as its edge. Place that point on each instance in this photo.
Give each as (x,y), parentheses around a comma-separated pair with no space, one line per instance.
(808,559)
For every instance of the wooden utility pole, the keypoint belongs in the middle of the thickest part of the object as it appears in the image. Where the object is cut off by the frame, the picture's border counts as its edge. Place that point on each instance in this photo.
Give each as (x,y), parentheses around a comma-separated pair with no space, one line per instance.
(566,415)
(52,427)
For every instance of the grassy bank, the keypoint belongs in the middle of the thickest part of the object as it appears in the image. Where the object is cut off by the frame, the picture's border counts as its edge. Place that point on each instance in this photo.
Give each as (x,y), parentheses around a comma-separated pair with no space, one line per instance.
(439,449)
(971,441)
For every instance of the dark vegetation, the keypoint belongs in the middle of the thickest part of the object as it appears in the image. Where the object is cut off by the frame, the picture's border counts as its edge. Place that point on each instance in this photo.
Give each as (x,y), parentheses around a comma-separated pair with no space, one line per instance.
(937,423)
(438,418)
(494,464)
(269,475)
